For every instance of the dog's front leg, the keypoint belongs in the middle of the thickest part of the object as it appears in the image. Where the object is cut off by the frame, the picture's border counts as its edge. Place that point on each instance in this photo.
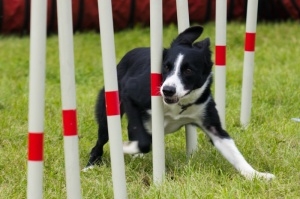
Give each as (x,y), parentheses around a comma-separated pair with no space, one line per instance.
(228,149)
(139,139)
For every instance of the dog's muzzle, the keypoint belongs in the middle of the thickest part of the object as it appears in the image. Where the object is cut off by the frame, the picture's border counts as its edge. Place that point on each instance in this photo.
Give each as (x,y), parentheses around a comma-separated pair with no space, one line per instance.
(168,93)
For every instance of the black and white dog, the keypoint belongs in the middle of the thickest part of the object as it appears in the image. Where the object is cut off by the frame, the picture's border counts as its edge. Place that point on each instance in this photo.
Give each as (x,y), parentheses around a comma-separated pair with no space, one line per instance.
(187,77)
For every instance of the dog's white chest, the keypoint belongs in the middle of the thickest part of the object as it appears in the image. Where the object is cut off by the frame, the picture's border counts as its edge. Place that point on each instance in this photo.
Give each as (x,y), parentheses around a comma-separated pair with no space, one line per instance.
(175,117)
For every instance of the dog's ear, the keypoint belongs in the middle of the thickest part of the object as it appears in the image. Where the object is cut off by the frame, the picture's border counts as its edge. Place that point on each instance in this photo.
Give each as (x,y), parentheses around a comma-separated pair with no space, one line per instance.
(204,48)
(205,43)
(188,36)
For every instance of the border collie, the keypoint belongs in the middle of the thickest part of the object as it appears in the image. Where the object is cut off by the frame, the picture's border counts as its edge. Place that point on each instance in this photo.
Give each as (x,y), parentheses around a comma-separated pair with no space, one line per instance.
(187,98)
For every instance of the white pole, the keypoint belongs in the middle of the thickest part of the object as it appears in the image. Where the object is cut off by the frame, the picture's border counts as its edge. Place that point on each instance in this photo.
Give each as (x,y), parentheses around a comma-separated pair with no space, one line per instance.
(183,21)
(36,98)
(112,98)
(220,60)
(248,70)
(67,76)
(156,100)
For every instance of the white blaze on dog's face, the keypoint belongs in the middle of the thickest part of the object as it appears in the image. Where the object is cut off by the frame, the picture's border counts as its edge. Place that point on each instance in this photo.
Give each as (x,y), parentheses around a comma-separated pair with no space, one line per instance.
(172,89)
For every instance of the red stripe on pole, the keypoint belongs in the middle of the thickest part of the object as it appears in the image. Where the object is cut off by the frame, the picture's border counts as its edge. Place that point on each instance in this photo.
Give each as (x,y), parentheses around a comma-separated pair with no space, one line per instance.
(156,79)
(220,55)
(112,103)
(35,146)
(69,122)
(250,41)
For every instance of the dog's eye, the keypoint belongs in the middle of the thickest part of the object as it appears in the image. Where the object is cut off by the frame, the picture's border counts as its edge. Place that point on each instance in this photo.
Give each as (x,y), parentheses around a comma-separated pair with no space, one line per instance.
(187,71)
(167,67)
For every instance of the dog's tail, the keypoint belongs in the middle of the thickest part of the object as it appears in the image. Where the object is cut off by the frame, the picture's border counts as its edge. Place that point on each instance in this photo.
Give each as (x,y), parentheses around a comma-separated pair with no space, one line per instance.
(100,109)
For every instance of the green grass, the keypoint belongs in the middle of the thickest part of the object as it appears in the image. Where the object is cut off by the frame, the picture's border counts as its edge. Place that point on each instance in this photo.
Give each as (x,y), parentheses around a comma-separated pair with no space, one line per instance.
(270,143)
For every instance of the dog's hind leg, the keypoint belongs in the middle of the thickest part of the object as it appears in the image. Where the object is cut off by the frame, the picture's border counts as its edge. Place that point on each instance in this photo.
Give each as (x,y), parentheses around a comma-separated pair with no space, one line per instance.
(97,151)
(226,146)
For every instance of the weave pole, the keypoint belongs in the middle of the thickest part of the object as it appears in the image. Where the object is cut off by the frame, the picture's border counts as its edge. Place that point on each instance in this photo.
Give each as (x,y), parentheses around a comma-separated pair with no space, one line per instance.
(183,21)
(220,58)
(112,98)
(156,99)
(68,95)
(36,112)
(248,70)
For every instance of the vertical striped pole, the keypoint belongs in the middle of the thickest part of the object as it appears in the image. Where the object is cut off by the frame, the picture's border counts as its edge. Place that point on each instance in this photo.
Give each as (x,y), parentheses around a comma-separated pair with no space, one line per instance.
(220,59)
(156,100)
(67,76)
(248,70)
(183,21)
(112,98)
(36,99)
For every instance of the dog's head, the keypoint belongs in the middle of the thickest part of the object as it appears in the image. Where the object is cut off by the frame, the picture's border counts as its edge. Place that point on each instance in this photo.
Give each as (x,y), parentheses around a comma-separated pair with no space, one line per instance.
(186,66)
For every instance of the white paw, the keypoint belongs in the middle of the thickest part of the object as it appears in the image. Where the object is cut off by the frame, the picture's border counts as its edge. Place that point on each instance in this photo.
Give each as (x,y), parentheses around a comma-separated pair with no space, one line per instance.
(131,147)
(138,155)
(266,176)
(85,169)
(259,175)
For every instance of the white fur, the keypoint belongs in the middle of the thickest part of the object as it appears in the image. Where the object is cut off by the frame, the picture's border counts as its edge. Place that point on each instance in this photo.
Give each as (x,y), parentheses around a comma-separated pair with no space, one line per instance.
(173,120)
(229,150)
(85,169)
(174,79)
(131,147)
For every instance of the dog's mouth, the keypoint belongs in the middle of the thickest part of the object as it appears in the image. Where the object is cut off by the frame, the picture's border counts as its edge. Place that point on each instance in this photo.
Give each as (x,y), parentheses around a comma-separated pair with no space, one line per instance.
(171,100)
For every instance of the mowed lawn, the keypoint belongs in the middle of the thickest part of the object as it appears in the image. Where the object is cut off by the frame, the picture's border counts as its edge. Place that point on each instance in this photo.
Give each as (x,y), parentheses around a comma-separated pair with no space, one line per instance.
(271,143)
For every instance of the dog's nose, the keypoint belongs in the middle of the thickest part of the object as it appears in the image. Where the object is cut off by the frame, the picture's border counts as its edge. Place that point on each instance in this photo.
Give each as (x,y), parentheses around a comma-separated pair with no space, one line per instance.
(169,91)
